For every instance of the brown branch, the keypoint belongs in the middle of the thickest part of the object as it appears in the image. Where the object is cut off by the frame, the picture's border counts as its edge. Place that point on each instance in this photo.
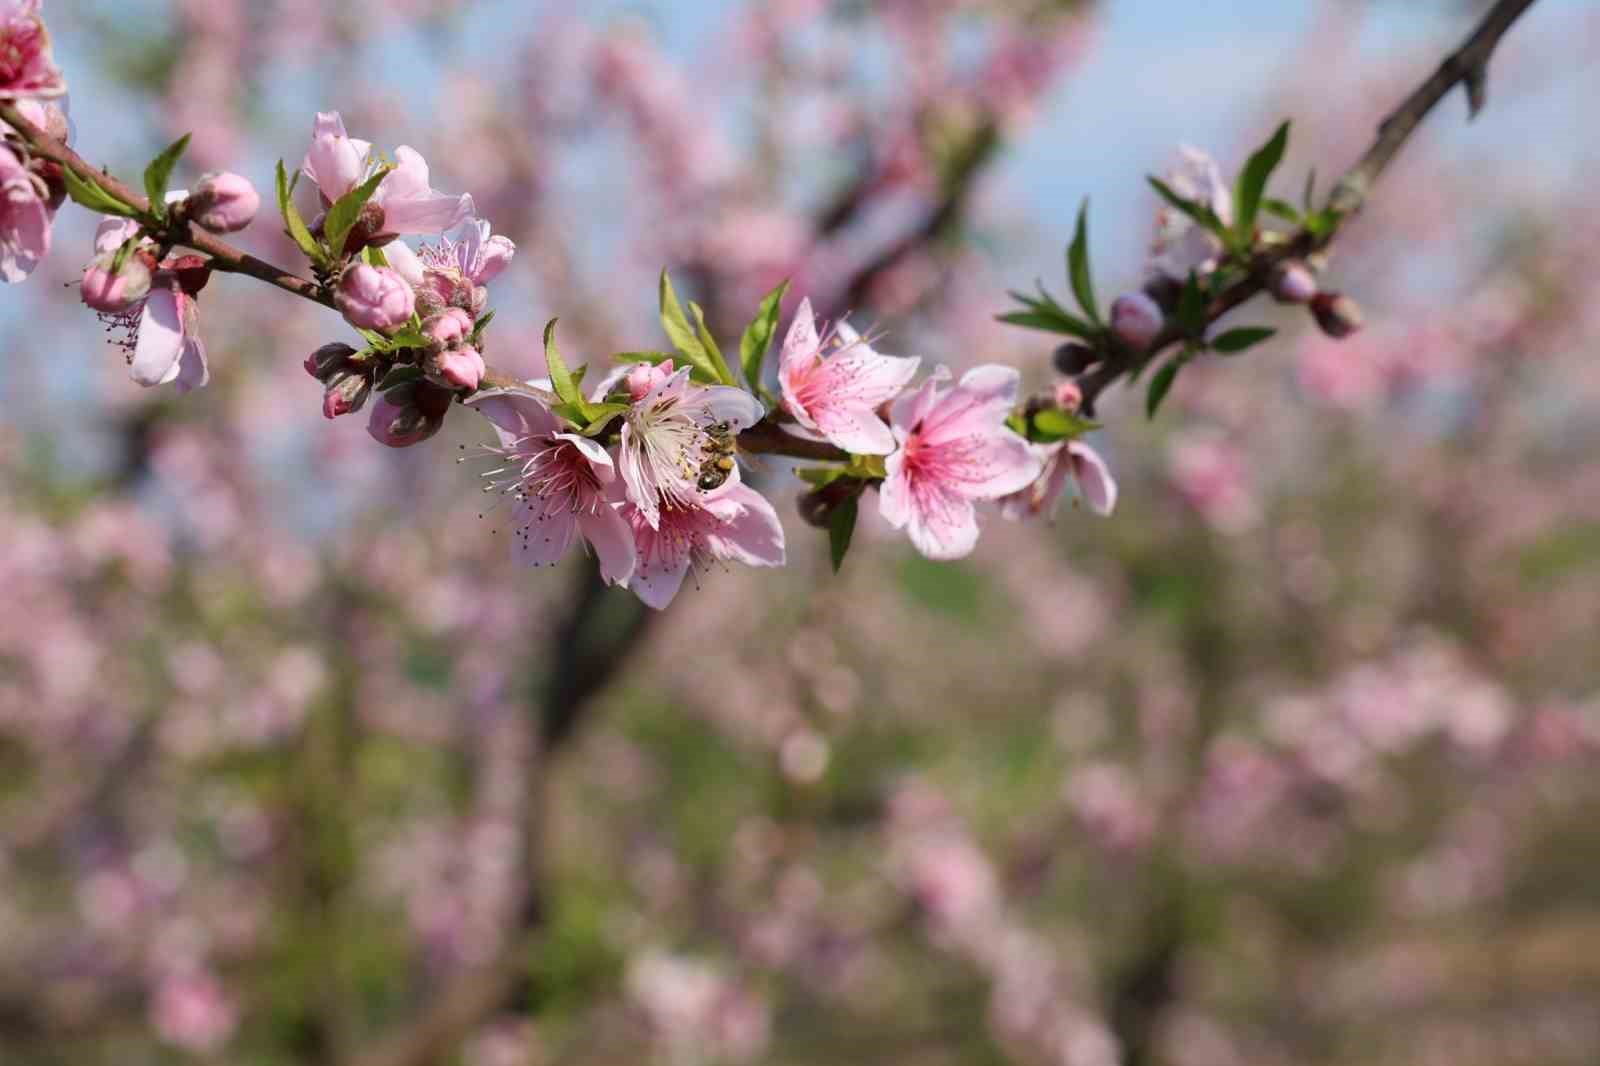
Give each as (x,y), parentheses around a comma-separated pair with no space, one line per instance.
(224,256)
(1467,65)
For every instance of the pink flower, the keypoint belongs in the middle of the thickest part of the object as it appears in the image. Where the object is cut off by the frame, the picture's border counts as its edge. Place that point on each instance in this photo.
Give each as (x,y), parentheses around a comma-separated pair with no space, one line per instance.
(460,367)
(25,218)
(837,394)
(224,203)
(115,292)
(372,297)
(456,271)
(564,485)
(1064,460)
(336,163)
(1181,245)
(735,525)
(193,1012)
(27,67)
(163,336)
(954,449)
(666,436)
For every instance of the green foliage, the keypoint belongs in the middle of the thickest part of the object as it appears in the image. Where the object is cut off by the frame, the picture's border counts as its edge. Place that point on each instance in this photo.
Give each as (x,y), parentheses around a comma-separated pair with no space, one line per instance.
(1237,340)
(705,360)
(296,226)
(95,197)
(1251,185)
(346,212)
(159,172)
(757,338)
(574,407)
(841,527)
(1078,272)
(1161,384)
(1202,214)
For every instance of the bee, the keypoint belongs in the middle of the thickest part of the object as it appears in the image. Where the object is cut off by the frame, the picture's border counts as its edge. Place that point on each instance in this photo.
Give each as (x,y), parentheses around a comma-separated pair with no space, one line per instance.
(717,462)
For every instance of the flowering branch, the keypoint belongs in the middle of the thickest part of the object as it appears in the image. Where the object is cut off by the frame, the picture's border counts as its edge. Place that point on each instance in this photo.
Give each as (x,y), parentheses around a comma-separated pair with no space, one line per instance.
(1275,267)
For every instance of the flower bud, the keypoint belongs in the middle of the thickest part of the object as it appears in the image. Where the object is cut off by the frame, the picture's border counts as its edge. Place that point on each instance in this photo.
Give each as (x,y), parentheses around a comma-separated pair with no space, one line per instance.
(460,368)
(347,391)
(1293,283)
(1136,319)
(448,328)
(1337,314)
(113,292)
(326,359)
(224,203)
(1074,358)
(401,427)
(372,297)
(368,229)
(1069,397)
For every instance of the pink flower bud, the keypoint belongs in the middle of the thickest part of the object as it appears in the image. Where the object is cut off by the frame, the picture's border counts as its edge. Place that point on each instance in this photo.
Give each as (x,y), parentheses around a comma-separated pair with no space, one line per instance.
(1136,319)
(462,367)
(113,293)
(1293,282)
(644,377)
(372,297)
(326,359)
(224,203)
(448,328)
(1069,397)
(400,427)
(347,391)
(1337,314)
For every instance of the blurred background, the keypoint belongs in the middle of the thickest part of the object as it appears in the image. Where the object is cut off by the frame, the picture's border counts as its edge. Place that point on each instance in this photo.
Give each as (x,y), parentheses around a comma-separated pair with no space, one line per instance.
(1293,760)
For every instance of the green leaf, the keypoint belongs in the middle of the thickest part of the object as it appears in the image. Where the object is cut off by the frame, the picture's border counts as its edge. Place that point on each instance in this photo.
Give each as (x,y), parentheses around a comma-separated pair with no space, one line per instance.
(90,194)
(346,212)
(1160,385)
(572,413)
(600,416)
(1237,340)
(1200,213)
(159,172)
(1281,209)
(841,527)
(719,365)
(1053,424)
(1078,266)
(820,476)
(1192,307)
(682,334)
(479,326)
(561,378)
(299,232)
(1252,181)
(1308,200)
(124,253)
(757,339)
(868,467)
(404,374)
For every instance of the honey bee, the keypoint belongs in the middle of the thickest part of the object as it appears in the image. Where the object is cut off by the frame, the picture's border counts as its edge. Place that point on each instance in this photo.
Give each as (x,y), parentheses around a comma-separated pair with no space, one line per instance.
(718,462)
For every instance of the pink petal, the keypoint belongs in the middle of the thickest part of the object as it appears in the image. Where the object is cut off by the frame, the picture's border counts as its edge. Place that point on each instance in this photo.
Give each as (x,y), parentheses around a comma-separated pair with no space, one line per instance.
(943,524)
(594,452)
(612,539)
(991,466)
(159,348)
(515,415)
(405,262)
(751,532)
(982,400)
(544,532)
(855,429)
(639,492)
(913,408)
(1094,478)
(193,373)
(425,215)
(894,494)
(659,574)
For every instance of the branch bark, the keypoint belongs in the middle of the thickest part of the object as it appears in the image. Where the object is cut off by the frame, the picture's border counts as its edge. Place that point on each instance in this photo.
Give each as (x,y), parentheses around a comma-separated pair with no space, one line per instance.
(1468,65)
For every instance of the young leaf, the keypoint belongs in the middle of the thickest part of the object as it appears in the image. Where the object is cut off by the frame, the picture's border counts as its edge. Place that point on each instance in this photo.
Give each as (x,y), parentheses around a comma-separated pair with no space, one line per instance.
(1282,209)
(719,365)
(91,195)
(1192,307)
(298,230)
(1078,266)
(1160,385)
(682,335)
(346,212)
(757,339)
(653,358)
(1307,201)
(561,377)
(1053,424)
(1237,340)
(820,476)
(1252,181)
(600,416)
(1200,213)
(841,527)
(159,171)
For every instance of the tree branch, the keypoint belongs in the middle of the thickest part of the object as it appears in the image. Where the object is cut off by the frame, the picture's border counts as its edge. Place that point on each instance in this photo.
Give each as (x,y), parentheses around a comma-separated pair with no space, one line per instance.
(224,256)
(1467,65)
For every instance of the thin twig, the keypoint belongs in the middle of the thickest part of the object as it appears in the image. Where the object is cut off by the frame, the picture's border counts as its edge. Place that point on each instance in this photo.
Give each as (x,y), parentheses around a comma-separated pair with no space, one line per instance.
(1467,65)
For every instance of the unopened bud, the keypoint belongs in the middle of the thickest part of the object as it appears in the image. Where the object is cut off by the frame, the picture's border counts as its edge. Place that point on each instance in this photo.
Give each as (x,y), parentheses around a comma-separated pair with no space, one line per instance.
(1136,319)
(372,297)
(111,289)
(1337,314)
(448,328)
(326,359)
(1293,282)
(1074,358)
(1069,397)
(367,230)
(459,368)
(347,391)
(401,427)
(224,203)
